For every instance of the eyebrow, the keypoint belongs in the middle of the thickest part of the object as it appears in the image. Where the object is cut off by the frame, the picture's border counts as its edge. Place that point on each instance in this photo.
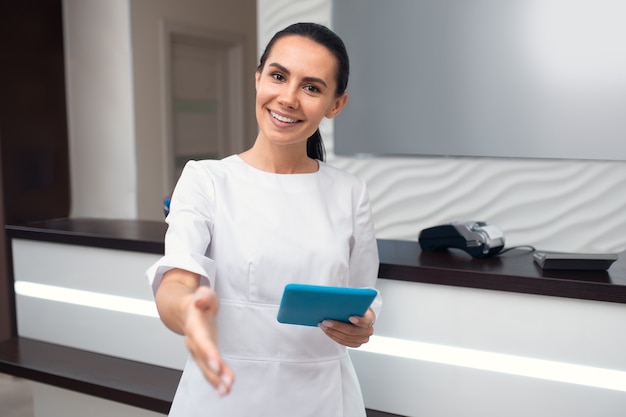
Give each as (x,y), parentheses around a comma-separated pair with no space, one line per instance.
(306,79)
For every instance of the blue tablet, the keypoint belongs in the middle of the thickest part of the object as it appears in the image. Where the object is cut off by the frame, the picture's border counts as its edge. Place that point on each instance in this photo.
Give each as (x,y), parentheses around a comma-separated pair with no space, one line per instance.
(308,305)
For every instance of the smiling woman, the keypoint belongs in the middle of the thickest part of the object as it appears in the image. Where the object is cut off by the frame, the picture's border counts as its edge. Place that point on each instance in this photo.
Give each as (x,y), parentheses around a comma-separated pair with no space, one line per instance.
(295,91)
(240,229)
(310,82)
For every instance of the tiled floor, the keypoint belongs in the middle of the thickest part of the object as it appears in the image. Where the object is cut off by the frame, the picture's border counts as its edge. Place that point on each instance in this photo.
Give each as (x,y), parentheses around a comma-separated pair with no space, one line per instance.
(15,397)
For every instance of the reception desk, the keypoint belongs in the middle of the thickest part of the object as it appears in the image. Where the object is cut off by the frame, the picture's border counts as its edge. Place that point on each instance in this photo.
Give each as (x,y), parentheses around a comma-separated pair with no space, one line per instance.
(450,340)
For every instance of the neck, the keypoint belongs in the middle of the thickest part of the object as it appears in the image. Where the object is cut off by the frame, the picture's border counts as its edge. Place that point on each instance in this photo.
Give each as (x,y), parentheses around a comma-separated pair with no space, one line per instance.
(280,160)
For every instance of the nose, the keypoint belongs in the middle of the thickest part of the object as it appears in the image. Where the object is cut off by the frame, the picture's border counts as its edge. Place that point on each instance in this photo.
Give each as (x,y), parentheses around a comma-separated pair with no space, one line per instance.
(288,97)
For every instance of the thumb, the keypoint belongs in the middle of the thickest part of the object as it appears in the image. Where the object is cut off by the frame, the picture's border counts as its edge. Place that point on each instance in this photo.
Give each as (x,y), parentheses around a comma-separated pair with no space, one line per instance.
(205,299)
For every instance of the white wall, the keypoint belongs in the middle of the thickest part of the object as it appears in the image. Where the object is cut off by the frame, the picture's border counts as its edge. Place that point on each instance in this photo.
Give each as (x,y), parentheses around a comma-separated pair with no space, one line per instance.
(100,108)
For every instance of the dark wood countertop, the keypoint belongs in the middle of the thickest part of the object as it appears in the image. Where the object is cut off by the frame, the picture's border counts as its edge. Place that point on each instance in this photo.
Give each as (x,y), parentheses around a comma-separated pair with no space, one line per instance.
(130,235)
(513,271)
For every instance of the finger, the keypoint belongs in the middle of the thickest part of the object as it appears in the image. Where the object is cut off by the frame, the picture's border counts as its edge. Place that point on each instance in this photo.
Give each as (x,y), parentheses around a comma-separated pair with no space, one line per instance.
(208,364)
(348,329)
(345,333)
(220,375)
(214,369)
(370,315)
(363,322)
(349,341)
(202,346)
(227,378)
(206,300)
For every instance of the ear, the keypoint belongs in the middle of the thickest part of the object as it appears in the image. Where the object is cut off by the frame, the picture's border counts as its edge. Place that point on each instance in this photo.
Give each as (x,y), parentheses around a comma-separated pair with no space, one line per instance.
(257,77)
(337,106)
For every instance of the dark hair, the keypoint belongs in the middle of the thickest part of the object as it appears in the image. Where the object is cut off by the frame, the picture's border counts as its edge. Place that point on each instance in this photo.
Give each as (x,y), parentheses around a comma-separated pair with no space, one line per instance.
(331,41)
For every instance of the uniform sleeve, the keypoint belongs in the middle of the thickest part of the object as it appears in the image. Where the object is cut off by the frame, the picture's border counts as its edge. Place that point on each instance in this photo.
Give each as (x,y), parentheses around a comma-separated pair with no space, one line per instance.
(190,225)
(364,260)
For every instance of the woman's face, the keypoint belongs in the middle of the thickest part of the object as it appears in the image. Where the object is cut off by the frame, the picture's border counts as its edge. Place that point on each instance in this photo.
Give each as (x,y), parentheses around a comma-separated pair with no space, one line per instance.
(296,89)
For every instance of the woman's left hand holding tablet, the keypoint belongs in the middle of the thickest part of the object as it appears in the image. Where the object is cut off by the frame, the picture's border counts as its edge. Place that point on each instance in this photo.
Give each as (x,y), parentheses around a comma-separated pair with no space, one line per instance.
(353,334)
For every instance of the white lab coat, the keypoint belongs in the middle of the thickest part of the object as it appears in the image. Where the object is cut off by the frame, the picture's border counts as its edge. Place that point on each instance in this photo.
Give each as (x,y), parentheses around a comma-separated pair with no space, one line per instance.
(248,233)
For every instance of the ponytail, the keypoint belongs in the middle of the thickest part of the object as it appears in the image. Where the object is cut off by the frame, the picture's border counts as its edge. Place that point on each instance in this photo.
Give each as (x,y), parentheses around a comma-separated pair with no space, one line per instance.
(315,146)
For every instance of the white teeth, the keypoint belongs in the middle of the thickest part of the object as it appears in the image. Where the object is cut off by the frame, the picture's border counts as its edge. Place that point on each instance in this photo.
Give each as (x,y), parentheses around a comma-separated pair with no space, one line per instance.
(282,118)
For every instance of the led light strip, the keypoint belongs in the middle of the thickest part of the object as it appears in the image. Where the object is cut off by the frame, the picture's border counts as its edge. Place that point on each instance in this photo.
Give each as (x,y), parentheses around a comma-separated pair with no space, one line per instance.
(401,348)
(498,362)
(86,298)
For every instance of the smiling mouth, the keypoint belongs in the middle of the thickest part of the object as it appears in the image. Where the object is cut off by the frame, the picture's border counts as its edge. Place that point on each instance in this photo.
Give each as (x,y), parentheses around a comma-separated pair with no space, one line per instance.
(283,118)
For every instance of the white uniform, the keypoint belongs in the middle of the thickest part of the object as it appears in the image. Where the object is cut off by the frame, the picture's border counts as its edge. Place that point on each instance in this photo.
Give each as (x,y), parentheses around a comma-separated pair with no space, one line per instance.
(248,233)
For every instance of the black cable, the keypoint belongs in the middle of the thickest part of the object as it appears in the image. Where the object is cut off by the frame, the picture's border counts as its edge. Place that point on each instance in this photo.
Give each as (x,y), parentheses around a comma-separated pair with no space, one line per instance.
(529,247)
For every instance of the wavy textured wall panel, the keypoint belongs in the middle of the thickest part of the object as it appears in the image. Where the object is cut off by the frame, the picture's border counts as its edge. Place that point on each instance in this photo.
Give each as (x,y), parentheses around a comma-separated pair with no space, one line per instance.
(577,206)
(553,205)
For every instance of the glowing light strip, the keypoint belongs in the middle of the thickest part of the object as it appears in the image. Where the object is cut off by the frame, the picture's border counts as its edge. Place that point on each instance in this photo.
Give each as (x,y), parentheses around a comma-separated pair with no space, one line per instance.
(498,362)
(87,298)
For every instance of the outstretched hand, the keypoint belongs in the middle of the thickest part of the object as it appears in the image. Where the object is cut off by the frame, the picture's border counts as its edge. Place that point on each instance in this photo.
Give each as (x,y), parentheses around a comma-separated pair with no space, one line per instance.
(353,334)
(201,338)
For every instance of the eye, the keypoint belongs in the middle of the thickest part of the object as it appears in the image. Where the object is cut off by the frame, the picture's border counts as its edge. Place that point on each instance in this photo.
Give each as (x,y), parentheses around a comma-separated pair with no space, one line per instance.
(311,88)
(277,76)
